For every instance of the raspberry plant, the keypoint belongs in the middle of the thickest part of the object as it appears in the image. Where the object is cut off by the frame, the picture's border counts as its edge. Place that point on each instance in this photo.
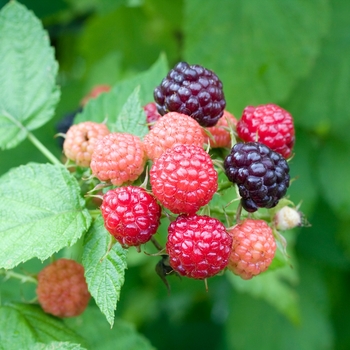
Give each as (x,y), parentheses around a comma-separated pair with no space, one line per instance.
(179,191)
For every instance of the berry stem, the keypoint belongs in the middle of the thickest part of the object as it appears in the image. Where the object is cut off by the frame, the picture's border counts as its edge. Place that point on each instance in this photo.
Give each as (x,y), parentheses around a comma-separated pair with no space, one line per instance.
(224,185)
(156,244)
(43,149)
(23,278)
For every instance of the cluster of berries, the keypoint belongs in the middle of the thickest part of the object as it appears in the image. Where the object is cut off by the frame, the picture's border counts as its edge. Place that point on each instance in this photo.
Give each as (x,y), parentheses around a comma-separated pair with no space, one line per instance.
(187,119)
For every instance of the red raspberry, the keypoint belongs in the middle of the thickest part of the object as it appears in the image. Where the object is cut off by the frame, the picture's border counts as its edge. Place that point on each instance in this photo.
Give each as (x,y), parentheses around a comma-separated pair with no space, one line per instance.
(152,114)
(183,179)
(220,133)
(253,248)
(62,290)
(94,92)
(172,129)
(268,124)
(81,139)
(198,246)
(119,158)
(131,215)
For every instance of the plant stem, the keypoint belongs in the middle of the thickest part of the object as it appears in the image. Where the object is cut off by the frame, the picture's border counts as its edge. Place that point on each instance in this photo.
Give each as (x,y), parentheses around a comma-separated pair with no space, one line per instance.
(43,149)
(23,278)
(224,185)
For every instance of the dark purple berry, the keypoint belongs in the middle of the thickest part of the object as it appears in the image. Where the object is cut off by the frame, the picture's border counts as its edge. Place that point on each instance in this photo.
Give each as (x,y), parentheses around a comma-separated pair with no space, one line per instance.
(191,90)
(262,175)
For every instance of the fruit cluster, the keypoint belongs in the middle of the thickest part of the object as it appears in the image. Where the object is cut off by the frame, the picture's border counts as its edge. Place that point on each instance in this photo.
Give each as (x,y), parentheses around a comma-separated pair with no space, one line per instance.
(193,151)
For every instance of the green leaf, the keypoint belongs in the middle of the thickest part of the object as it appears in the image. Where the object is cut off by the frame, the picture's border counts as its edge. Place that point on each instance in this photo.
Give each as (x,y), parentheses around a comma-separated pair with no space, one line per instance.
(272,287)
(27,75)
(333,170)
(123,336)
(41,212)
(57,346)
(132,117)
(104,268)
(250,316)
(21,326)
(259,49)
(108,106)
(321,101)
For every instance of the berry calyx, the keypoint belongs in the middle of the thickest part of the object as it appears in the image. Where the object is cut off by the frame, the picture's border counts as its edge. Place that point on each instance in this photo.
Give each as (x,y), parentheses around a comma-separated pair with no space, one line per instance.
(170,130)
(198,246)
(119,158)
(268,124)
(219,135)
(253,248)
(192,90)
(183,179)
(262,175)
(131,215)
(80,141)
(62,290)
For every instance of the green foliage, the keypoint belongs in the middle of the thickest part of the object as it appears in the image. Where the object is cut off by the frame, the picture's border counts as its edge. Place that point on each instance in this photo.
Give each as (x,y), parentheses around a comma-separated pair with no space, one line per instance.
(27,74)
(293,53)
(104,268)
(42,212)
(22,326)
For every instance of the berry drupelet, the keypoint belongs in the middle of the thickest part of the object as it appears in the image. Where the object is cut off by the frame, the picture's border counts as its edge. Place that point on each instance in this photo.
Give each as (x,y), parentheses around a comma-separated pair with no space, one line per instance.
(262,175)
(192,90)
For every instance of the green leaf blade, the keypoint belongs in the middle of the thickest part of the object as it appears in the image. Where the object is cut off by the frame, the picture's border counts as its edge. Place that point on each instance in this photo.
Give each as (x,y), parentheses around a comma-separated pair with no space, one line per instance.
(132,118)
(104,270)
(271,287)
(108,106)
(256,62)
(22,326)
(42,212)
(27,75)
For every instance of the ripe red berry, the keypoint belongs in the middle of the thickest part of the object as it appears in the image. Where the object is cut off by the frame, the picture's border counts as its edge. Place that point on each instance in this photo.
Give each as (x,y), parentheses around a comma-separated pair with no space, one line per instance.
(220,133)
(268,124)
(183,179)
(119,158)
(81,139)
(170,130)
(152,114)
(62,290)
(131,215)
(253,248)
(198,246)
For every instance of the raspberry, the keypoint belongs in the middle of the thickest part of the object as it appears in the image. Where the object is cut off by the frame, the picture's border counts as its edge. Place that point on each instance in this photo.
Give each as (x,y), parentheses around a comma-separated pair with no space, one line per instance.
(94,92)
(119,158)
(192,90)
(152,114)
(183,179)
(81,139)
(270,125)
(220,133)
(198,246)
(131,215)
(62,290)
(287,218)
(253,248)
(172,129)
(261,174)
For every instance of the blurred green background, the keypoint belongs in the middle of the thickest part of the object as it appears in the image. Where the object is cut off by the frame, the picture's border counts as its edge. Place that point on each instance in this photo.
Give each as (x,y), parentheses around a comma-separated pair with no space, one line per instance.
(295,53)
